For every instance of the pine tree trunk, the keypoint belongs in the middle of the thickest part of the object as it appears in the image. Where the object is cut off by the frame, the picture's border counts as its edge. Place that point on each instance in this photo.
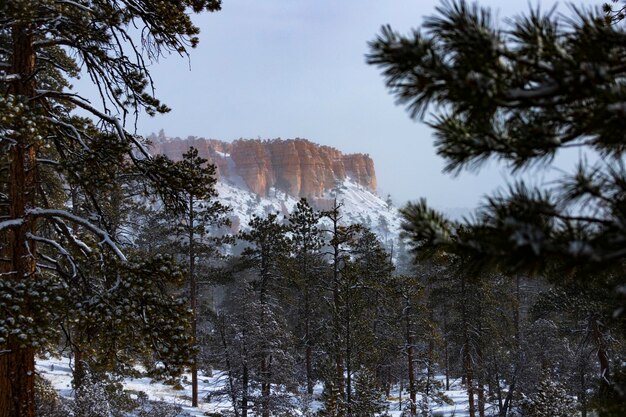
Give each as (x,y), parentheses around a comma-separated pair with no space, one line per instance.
(400,391)
(309,370)
(17,365)
(245,374)
(79,368)
(447,364)
(605,389)
(469,379)
(582,393)
(410,360)
(339,369)
(348,360)
(308,354)
(481,398)
(446,350)
(481,372)
(497,388)
(194,303)
(265,386)
(467,355)
(509,398)
(229,367)
(244,390)
(266,359)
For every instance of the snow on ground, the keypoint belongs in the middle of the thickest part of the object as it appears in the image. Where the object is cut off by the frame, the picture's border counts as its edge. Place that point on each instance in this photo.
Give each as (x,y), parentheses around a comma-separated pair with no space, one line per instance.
(58,372)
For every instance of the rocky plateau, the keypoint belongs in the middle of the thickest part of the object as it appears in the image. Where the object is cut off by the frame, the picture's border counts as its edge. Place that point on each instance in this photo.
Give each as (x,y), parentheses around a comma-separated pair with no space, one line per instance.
(296,166)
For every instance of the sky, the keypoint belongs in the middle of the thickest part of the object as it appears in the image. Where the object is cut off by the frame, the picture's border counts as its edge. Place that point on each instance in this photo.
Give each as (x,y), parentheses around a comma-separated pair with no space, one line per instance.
(296,68)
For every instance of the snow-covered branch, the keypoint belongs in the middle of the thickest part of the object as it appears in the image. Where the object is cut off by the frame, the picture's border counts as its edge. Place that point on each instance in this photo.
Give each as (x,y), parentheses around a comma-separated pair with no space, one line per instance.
(10,77)
(539,92)
(82,7)
(106,239)
(47,161)
(7,224)
(46,43)
(117,124)
(75,131)
(58,247)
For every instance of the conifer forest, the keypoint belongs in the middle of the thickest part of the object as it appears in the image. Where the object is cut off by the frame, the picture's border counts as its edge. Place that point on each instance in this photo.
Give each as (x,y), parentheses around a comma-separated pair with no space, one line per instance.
(128,288)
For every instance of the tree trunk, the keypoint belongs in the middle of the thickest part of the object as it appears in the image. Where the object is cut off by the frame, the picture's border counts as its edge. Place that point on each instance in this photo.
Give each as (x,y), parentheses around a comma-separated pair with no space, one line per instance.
(309,370)
(509,398)
(467,355)
(339,368)
(582,393)
(245,376)
(348,355)
(469,379)
(400,391)
(410,359)
(447,363)
(194,303)
(229,368)
(481,398)
(266,360)
(605,389)
(265,386)
(17,364)
(308,354)
(481,371)
(446,351)
(79,368)
(244,390)
(497,388)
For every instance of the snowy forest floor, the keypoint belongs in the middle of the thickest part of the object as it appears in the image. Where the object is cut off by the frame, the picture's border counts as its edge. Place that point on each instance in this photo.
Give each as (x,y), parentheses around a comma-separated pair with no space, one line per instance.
(58,372)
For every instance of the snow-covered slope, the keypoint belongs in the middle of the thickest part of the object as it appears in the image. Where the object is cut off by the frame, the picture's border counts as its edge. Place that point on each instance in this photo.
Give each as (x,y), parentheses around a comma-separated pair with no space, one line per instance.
(358,205)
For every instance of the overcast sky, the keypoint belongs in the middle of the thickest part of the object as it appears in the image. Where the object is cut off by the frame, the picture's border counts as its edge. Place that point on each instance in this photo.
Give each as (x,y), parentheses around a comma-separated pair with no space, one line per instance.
(296,68)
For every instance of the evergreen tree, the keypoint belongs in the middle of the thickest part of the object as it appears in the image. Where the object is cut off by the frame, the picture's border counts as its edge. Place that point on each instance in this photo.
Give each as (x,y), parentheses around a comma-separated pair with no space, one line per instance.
(339,236)
(367,332)
(266,257)
(42,43)
(201,213)
(521,94)
(549,400)
(306,241)
(91,399)
(369,399)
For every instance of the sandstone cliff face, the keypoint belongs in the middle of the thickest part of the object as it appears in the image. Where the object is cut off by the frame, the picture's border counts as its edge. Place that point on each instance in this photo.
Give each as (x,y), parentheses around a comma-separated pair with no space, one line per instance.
(296,166)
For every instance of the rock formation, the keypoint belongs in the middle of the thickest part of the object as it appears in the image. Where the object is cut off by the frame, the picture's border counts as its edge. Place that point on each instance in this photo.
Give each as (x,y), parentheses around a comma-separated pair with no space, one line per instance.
(297,166)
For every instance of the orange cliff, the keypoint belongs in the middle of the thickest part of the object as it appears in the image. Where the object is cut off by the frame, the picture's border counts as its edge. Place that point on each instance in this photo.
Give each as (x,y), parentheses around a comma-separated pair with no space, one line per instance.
(296,166)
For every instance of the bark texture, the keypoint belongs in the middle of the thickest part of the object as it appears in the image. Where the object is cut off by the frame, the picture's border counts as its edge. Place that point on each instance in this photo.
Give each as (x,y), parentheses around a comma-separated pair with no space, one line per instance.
(17,365)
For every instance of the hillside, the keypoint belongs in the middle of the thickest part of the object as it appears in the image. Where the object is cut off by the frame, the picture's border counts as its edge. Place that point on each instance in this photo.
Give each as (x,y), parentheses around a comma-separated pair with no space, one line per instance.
(257,177)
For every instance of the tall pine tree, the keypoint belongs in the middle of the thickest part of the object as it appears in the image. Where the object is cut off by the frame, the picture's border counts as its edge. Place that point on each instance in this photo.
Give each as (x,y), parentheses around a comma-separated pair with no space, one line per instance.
(42,44)
(520,94)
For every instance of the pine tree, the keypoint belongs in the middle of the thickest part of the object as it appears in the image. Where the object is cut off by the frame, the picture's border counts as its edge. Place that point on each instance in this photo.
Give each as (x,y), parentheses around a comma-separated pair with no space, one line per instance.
(41,44)
(369,399)
(201,213)
(266,257)
(409,293)
(549,400)
(91,398)
(520,94)
(339,235)
(306,241)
